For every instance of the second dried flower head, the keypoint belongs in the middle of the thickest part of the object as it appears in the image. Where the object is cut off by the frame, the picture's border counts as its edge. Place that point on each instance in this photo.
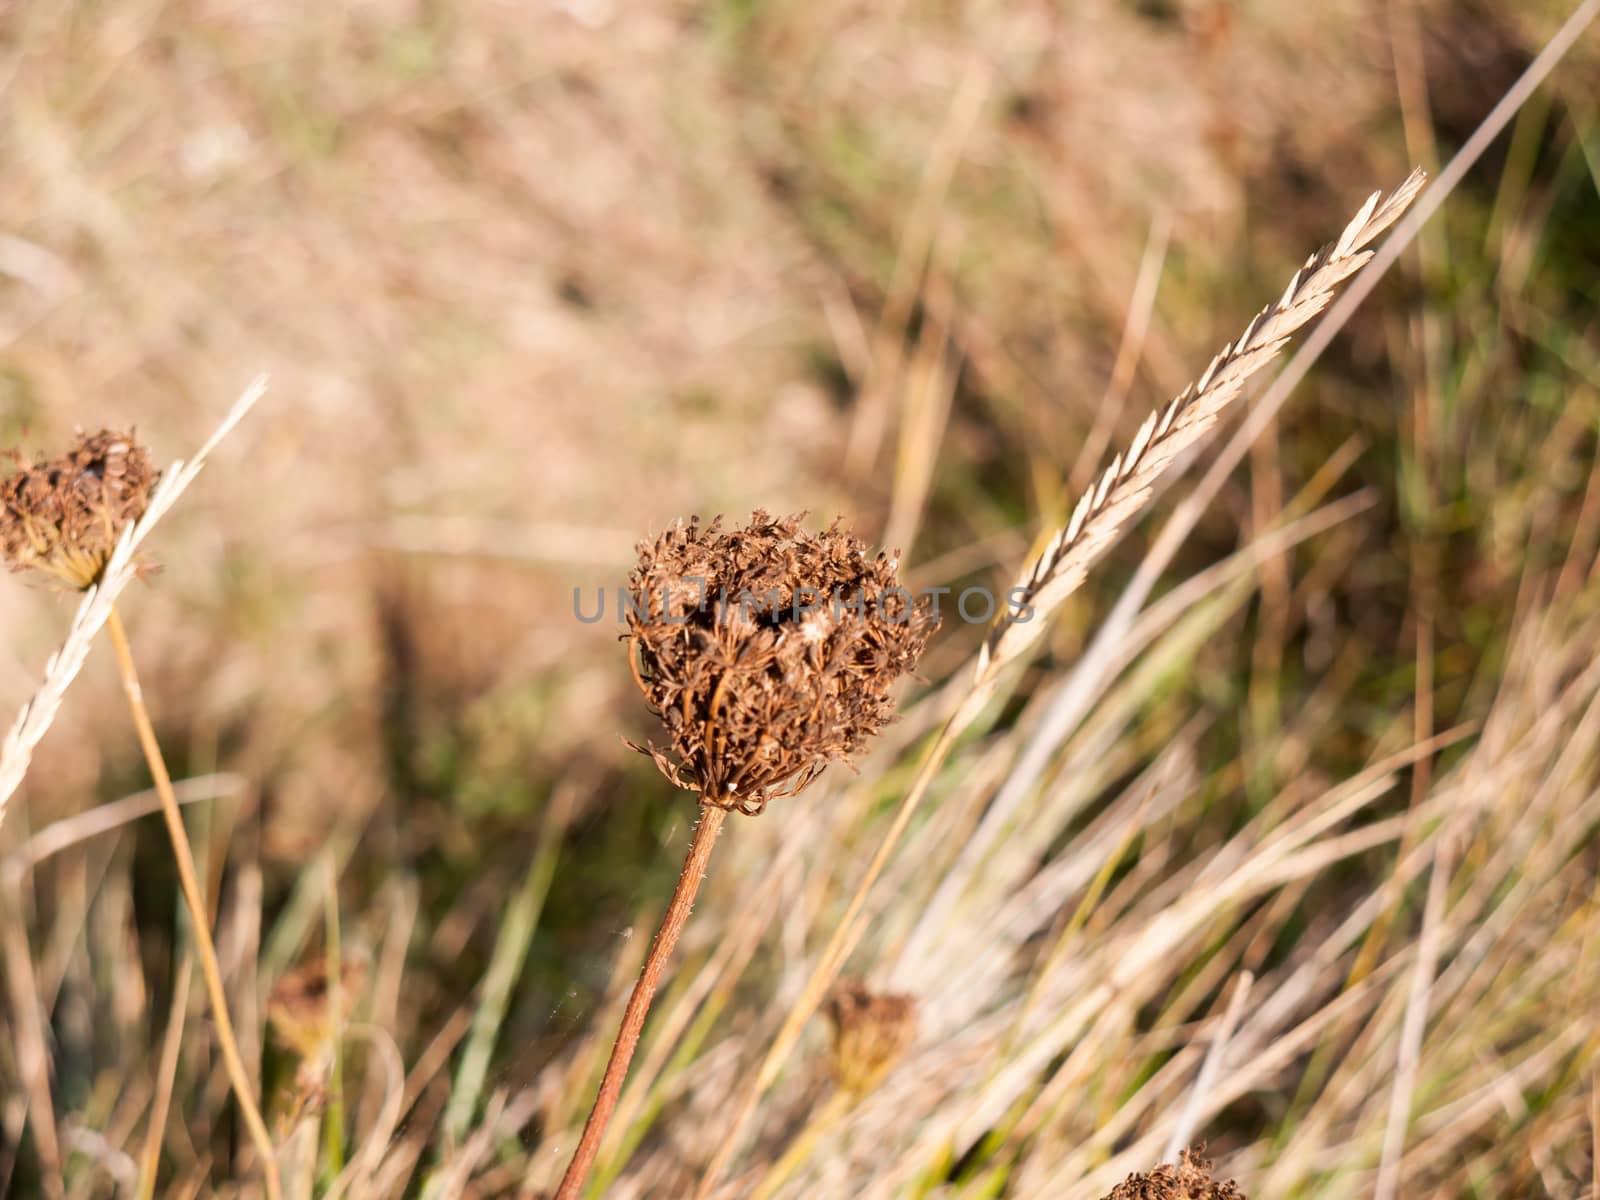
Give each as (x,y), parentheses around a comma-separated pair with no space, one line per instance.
(767,652)
(63,517)
(871,1033)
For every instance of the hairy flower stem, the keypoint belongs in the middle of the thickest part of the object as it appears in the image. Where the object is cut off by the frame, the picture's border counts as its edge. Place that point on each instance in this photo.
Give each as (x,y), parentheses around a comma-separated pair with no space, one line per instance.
(644,991)
(190,884)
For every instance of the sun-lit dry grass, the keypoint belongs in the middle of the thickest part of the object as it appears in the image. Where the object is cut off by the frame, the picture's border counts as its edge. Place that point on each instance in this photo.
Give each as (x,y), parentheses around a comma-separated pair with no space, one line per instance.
(533,282)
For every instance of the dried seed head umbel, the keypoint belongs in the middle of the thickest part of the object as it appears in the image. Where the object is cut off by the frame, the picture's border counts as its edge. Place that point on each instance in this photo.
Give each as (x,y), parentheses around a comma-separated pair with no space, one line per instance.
(63,517)
(871,1033)
(1189,1179)
(767,652)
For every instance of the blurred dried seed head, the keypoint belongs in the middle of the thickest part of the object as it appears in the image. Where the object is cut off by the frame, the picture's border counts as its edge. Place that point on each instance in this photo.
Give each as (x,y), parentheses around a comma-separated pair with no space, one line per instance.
(767,652)
(300,1009)
(63,517)
(871,1033)
(1190,1179)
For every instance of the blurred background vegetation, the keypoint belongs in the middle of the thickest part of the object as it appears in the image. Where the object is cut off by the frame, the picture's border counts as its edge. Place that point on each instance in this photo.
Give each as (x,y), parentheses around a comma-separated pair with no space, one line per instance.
(531,281)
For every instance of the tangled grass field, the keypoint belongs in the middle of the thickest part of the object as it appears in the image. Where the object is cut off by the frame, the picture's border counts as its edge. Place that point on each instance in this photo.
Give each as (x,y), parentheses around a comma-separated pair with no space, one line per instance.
(1279,833)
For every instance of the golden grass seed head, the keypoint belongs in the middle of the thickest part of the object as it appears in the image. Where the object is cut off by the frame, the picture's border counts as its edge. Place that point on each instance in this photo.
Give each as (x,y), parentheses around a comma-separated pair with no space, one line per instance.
(767,652)
(63,517)
(871,1033)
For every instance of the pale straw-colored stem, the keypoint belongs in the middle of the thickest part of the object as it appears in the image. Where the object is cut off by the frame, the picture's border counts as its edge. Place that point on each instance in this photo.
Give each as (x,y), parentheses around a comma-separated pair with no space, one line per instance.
(189,882)
(1183,1131)
(1414,1023)
(166,1075)
(644,991)
(30,1048)
(333,1121)
(1073,696)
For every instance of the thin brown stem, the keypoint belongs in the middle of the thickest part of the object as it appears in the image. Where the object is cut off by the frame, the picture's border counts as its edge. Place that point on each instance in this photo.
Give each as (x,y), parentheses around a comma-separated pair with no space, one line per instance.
(644,991)
(189,882)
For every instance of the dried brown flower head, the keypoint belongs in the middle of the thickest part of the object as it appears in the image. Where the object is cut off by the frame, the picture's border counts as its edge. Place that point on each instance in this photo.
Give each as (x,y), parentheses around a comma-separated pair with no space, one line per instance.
(767,652)
(299,1005)
(871,1033)
(1190,1179)
(63,517)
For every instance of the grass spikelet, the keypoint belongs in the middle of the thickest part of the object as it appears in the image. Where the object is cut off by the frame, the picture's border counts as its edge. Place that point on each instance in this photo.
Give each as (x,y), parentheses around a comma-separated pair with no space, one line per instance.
(1116,497)
(1125,486)
(94,610)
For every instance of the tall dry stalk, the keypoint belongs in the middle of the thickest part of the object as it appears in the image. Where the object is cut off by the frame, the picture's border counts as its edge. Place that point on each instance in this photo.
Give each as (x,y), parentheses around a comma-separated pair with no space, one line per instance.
(1122,491)
(80,520)
(199,912)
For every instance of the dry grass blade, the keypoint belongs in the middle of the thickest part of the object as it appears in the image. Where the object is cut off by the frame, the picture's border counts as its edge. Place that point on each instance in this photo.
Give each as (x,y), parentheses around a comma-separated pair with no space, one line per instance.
(1209,1069)
(166,1076)
(1125,486)
(114,814)
(1412,1028)
(358,1176)
(36,716)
